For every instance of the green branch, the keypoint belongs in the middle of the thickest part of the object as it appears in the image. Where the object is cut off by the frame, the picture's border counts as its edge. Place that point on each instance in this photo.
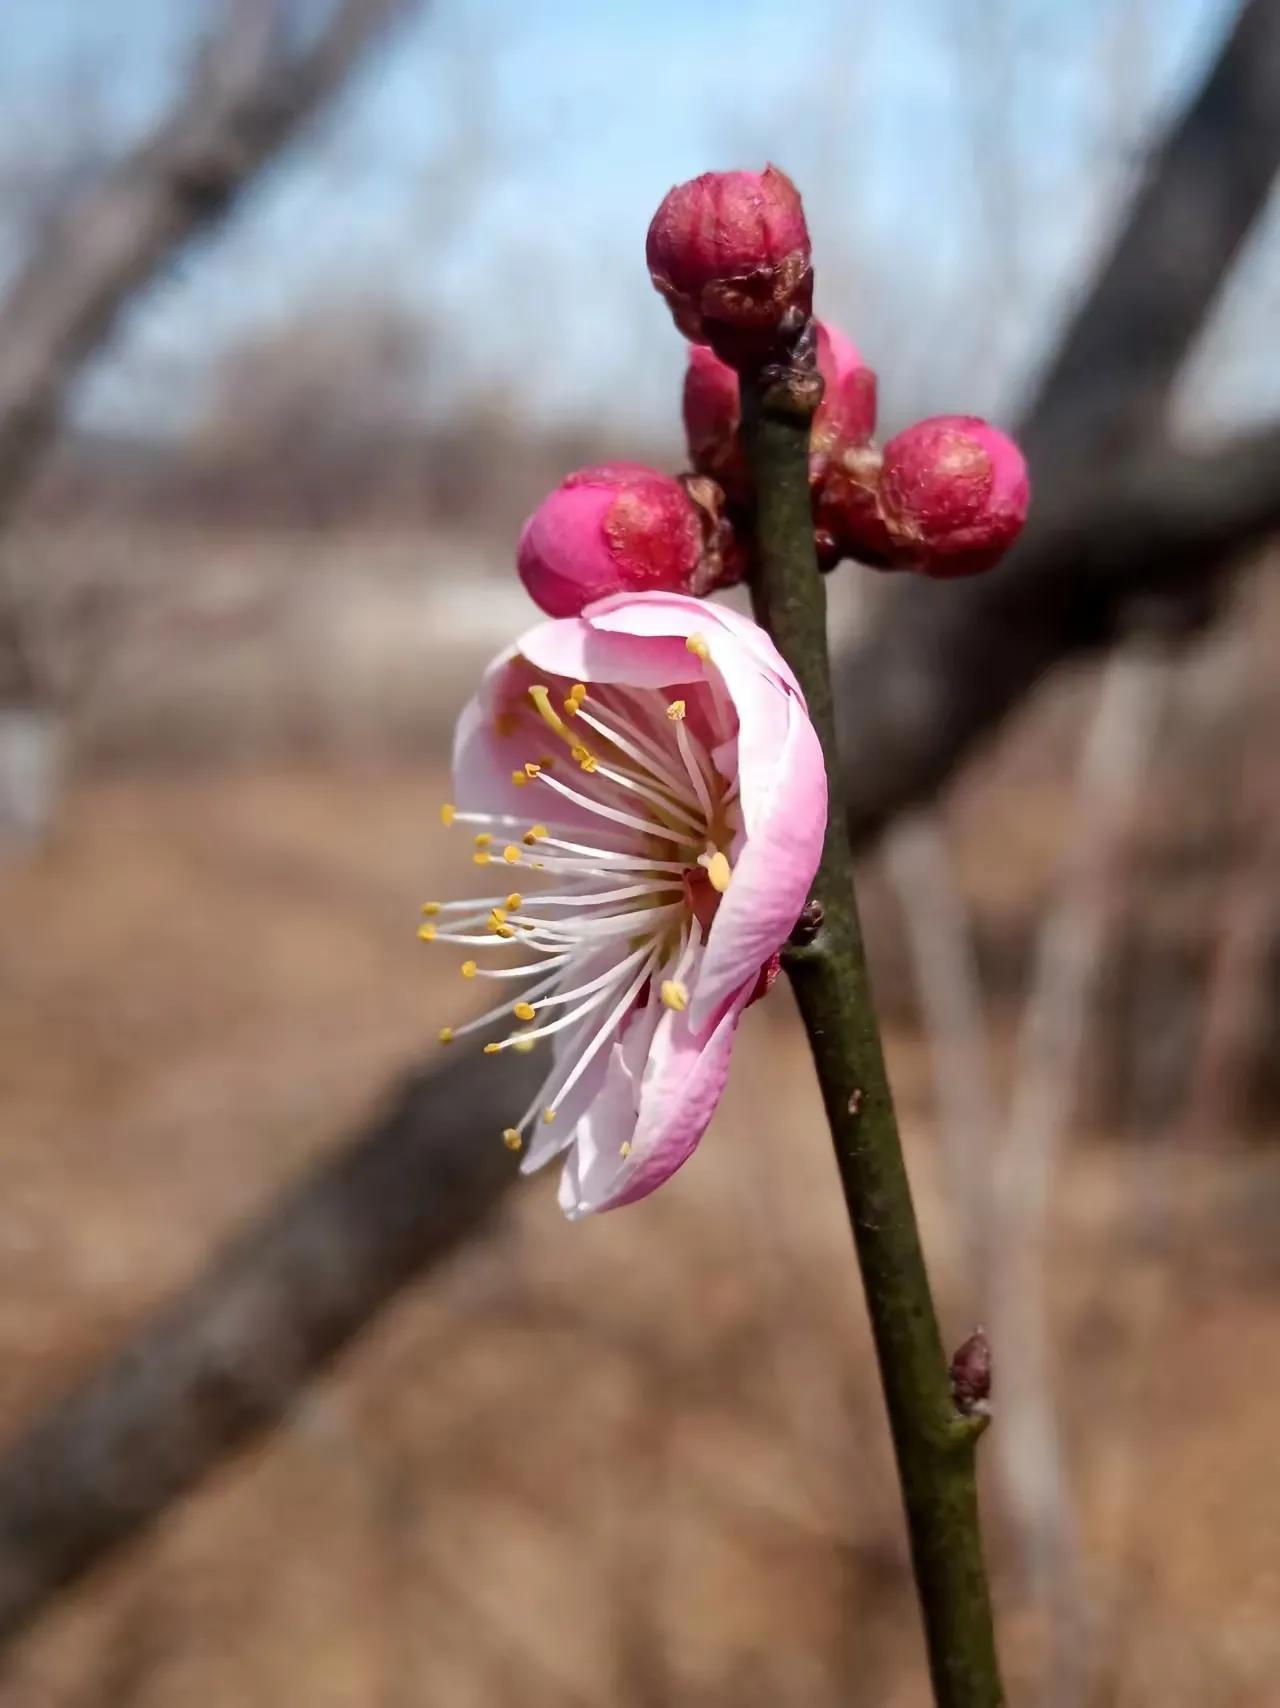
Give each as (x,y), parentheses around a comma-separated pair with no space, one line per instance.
(933,1441)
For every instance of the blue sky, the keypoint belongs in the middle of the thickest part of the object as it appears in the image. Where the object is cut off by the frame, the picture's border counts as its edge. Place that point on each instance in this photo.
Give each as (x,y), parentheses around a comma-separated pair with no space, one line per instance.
(493,169)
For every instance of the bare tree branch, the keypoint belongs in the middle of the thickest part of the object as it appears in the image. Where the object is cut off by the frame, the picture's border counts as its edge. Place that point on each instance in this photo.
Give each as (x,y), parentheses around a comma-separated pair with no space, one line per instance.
(249,94)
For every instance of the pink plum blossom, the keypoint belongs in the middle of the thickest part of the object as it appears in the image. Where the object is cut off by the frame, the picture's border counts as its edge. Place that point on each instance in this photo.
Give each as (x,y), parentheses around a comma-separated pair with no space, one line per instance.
(647,782)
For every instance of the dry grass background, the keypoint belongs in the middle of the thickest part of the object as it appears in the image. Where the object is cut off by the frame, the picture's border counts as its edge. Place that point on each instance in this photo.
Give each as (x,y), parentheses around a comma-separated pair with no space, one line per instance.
(640,1461)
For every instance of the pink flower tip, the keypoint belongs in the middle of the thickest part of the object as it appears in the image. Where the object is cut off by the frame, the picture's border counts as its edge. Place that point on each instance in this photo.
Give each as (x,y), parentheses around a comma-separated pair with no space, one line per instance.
(953,493)
(729,251)
(618,528)
(847,413)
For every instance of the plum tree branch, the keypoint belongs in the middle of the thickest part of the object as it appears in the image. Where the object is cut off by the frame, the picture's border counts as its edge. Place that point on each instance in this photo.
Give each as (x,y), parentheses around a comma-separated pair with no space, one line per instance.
(934,1444)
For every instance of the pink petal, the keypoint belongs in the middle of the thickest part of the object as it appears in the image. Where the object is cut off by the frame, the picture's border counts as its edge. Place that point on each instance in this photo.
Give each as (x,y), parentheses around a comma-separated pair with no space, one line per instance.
(676,614)
(577,650)
(784,805)
(662,1113)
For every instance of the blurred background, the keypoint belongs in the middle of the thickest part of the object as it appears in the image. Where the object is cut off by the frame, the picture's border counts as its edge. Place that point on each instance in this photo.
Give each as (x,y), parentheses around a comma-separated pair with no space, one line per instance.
(303,305)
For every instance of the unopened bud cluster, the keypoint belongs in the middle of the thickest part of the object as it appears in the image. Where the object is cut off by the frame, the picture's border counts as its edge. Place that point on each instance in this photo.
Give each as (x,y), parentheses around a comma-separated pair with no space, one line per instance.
(730,254)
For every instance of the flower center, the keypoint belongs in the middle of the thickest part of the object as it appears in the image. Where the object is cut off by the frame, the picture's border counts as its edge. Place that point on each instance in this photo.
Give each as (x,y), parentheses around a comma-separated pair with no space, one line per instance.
(634,847)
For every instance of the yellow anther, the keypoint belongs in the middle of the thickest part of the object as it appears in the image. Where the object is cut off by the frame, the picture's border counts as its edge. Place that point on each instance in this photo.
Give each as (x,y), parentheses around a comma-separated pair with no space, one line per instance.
(535,833)
(676,711)
(482,858)
(524,1011)
(675,995)
(519,779)
(430,908)
(541,698)
(699,648)
(578,694)
(531,770)
(492,1049)
(497,923)
(484,839)
(446,1034)
(427,933)
(719,871)
(624,1149)
(511,1139)
(571,707)
(447,810)
(469,969)
(511,853)
(548,1116)
(523,1045)
(513,901)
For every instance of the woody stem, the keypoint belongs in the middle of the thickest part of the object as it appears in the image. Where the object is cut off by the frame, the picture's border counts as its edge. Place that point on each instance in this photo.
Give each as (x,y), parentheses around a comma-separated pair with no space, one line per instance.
(933,1441)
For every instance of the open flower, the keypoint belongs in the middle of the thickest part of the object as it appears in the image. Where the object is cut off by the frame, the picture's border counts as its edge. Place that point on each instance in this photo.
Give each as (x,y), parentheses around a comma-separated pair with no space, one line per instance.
(650,763)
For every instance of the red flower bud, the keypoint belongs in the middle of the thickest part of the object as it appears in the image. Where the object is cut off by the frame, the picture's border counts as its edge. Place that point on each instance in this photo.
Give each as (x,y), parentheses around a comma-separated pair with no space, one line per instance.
(713,416)
(954,493)
(846,514)
(613,529)
(730,253)
(847,413)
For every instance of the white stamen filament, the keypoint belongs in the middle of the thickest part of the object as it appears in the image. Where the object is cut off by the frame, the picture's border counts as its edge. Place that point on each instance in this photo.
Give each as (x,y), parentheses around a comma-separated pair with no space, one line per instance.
(524,972)
(613,899)
(634,744)
(680,814)
(646,827)
(606,1031)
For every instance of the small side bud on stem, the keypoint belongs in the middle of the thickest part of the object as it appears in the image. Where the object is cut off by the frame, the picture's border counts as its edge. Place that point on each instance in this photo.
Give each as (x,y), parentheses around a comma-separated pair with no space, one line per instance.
(807,927)
(971,1375)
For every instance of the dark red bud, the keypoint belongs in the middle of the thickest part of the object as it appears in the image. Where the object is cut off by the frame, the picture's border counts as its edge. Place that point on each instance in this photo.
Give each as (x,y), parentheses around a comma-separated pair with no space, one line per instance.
(729,251)
(971,1374)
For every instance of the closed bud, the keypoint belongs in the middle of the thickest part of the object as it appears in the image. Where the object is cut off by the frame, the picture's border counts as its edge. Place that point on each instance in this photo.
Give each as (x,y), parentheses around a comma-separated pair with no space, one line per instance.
(953,493)
(971,1375)
(619,528)
(847,413)
(729,251)
(713,419)
(846,513)
(713,415)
